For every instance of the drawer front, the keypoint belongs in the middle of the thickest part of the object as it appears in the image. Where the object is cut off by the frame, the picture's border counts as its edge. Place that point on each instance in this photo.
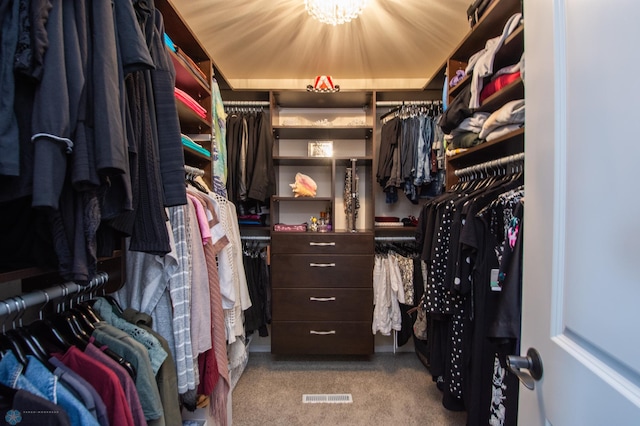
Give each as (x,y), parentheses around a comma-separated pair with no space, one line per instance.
(322,304)
(305,271)
(320,243)
(322,338)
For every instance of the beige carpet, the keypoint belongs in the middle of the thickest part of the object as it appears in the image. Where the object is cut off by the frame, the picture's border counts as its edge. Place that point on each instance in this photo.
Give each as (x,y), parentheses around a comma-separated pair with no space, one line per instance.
(387,389)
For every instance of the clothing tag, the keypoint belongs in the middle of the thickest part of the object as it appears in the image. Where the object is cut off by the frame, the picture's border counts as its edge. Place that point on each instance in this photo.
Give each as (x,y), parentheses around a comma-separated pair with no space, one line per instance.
(495,286)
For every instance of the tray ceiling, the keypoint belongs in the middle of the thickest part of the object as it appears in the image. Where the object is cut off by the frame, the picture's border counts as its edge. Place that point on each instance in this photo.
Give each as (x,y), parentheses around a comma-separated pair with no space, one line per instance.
(275,44)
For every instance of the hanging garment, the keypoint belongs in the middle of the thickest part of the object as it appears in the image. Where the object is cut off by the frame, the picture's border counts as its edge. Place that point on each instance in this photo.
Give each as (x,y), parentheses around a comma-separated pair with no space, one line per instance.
(386,286)
(251,174)
(457,295)
(9,152)
(103,380)
(125,380)
(38,380)
(257,272)
(166,376)
(200,298)
(220,141)
(88,396)
(124,345)
(30,409)
(407,160)
(213,364)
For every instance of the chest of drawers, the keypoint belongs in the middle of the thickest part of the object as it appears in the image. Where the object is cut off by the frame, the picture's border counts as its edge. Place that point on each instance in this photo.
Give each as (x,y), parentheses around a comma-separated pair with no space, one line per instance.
(322,293)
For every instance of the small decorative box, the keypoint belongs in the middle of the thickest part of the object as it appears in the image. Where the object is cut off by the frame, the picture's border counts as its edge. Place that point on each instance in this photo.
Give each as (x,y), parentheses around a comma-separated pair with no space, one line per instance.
(290,228)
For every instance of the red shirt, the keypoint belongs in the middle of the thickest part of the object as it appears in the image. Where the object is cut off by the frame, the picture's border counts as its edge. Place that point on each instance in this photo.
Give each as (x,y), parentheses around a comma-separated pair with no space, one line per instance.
(105,382)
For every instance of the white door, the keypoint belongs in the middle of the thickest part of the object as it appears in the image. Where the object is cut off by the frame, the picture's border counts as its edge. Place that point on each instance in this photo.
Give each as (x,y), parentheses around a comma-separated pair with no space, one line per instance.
(581,297)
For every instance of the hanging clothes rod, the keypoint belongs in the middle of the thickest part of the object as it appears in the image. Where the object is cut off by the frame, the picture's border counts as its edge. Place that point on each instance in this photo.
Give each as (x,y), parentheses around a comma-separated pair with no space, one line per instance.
(193,171)
(394,239)
(401,103)
(40,297)
(255,237)
(245,103)
(490,164)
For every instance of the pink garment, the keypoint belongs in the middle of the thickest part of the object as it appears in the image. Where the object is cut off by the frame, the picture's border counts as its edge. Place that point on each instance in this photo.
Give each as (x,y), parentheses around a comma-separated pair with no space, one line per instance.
(191,103)
(203,222)
(200,305)
(218,407)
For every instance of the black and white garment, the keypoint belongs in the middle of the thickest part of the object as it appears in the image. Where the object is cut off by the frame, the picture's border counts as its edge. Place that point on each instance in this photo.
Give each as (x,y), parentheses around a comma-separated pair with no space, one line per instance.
(461,234)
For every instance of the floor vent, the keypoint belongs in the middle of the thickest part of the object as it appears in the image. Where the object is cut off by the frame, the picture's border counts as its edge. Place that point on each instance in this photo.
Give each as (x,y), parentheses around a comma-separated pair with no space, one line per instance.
(327,398)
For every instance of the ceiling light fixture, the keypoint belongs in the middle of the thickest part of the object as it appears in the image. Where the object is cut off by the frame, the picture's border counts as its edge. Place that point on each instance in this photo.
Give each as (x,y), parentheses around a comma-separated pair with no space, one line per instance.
(335,12)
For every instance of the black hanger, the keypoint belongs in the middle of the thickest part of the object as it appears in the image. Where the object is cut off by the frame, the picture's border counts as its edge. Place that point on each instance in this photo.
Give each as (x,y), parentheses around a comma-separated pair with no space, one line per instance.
(7,343)
(68,326)
(49,336)
(390,112)
(30,345)
(76,320)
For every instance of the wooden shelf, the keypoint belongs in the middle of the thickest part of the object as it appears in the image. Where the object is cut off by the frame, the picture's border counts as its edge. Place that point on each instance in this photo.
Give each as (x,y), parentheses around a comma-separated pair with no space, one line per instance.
(322,132)
(300,199)
(359,160)
(36,278)
(190,120)
(511,92)
(508,144)
(24,273)
(193,154)
(302,161)
(305,99)
(187,80)
(257,230)
(319,161)
(180,32)
(390,231)
(453,91)
(490,25)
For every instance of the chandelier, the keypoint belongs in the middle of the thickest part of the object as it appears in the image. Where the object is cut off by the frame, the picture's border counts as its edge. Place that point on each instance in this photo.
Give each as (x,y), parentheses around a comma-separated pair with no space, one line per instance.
(335,12)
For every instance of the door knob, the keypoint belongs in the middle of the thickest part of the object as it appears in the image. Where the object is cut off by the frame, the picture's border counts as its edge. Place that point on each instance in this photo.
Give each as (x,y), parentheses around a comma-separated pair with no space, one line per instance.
(531,362)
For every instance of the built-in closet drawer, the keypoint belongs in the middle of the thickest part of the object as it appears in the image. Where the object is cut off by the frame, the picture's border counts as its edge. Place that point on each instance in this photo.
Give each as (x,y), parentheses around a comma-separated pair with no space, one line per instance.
(326,337)
(304,270)
(319,243)
(322,293)
(322,304)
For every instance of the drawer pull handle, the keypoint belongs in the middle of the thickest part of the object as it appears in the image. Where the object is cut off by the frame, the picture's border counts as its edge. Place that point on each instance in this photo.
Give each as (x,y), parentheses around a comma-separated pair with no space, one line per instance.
(322,265)
(322,299)
(322,244)
(322,333)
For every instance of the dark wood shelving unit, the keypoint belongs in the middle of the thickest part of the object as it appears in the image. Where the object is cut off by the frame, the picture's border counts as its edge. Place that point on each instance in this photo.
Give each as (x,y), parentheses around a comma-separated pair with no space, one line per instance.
(322,132)
(191,82)
(490,25)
